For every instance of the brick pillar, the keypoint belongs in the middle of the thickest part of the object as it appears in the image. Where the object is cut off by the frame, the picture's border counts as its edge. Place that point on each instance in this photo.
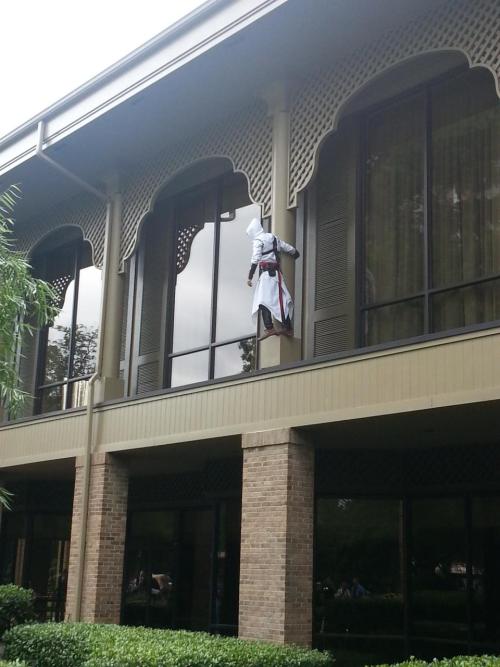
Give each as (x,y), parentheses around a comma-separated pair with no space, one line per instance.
(107,516)
(276,570)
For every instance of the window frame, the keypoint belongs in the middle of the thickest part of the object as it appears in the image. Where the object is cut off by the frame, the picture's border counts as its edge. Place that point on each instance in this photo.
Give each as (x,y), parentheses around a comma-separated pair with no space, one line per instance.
(361,308)
(468,496)
(76,247)
(216,187)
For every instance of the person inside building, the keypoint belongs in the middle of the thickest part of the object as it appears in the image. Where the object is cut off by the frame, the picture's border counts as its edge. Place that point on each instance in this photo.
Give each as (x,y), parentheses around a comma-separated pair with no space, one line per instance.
(357,589)
(271,295)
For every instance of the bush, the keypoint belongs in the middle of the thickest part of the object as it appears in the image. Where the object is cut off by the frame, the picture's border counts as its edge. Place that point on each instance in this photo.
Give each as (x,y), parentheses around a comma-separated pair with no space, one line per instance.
(457,661)
(16,663)
(86,645)
(16,606)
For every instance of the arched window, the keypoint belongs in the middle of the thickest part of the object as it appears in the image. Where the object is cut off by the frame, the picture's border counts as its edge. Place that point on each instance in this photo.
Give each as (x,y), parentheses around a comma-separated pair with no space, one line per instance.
(192,300)
(67,349)
(212,333)
(407,217)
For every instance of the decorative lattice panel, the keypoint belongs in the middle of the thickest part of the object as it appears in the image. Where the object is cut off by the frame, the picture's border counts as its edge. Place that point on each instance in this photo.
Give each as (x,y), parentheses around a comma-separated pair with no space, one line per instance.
(185,238)
(472,27)
(84,211)
(245,138)
(219,478)
(42,496)
(60,285)
(402,471)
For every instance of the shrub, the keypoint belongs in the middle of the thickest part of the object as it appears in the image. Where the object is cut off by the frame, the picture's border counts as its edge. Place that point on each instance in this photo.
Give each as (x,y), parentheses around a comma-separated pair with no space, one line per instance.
(16,606)
(16,663)
(457,661)
(86,645)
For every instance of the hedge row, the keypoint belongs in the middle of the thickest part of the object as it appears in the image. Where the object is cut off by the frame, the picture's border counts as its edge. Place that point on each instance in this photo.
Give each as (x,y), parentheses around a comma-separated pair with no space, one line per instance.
(86,645)
(16,606)
(16,663)
(457,661)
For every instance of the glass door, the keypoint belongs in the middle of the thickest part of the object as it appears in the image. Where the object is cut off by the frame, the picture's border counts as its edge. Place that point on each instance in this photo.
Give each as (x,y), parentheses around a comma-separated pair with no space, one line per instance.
(182,568)
(150,569)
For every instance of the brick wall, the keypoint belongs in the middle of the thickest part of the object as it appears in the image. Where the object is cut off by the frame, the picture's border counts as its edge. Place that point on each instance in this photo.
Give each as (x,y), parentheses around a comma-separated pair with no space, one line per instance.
(103,572)
(276,571)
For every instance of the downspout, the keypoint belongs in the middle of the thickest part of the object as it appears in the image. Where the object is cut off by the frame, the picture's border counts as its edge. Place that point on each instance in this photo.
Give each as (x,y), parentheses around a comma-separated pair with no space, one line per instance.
(89,422)
(89,429)
(59,167)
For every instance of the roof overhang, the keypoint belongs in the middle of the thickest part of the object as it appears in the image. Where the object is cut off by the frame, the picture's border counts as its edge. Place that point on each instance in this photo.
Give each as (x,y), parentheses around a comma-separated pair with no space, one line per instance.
(187,39)
(214,62)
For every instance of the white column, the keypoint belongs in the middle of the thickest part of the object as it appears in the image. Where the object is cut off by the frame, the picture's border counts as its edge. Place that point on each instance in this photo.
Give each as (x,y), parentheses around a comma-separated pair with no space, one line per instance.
(110,385)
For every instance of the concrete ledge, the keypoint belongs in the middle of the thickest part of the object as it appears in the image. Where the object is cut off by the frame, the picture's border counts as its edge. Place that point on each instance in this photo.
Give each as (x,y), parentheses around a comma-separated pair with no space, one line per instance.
(276,436)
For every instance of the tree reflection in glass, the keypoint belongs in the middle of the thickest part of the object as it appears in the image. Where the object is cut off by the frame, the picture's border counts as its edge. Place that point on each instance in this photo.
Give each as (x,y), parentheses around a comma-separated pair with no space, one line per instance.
(71,344)
(57,359)
(235,358)
(87,321)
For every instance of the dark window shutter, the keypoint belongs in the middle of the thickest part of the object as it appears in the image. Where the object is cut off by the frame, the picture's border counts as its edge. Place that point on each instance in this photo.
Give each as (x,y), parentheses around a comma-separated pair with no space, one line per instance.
(332,219)
(124,323)
(154,271)
(149,305)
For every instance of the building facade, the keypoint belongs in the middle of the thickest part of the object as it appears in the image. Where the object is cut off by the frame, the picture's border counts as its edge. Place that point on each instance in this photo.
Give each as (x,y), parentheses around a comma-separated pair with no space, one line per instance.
(339,488)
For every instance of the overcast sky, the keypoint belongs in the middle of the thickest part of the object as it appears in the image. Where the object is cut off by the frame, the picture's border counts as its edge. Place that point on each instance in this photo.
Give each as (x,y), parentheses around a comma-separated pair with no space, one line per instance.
(50,48)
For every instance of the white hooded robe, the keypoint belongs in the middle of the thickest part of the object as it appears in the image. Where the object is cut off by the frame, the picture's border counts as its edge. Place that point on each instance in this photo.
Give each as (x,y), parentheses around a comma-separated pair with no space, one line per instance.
(267,288)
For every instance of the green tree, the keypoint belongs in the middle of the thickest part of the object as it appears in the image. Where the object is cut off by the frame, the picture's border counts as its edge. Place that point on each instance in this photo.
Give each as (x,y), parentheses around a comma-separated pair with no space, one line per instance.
(85,354)
(26,303)
(5,497)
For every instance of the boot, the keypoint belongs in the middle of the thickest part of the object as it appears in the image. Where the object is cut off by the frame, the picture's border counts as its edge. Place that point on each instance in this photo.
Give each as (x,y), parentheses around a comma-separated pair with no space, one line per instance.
(269,332)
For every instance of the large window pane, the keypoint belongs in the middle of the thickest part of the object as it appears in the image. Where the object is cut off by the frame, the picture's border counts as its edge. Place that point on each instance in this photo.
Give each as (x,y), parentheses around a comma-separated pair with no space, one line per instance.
(466,174)
(235,358)
(358,564)
(439,577)
(234,298)
(485,570)
(193,290)
(189,368)
(394,212)
(87,321)
(58,340)
(396,322)
(467,306)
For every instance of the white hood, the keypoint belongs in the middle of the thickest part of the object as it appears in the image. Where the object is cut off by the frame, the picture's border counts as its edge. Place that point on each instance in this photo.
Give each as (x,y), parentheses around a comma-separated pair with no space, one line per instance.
(255,229)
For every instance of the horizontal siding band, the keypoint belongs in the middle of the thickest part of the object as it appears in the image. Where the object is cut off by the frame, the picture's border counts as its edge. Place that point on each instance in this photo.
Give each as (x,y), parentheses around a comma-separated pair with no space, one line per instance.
(442,373)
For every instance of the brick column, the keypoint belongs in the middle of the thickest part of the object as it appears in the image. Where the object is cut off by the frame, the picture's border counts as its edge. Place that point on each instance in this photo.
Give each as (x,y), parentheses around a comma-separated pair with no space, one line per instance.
(276,571)
(107,516)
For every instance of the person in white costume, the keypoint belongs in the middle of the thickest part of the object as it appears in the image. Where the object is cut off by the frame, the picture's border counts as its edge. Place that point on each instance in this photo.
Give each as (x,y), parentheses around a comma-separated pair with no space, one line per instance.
(271,295)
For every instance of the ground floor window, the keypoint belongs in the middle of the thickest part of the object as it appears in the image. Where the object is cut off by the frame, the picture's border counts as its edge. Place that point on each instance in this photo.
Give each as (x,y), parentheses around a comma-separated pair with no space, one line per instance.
(407,576)
(182,568)
(34,553)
